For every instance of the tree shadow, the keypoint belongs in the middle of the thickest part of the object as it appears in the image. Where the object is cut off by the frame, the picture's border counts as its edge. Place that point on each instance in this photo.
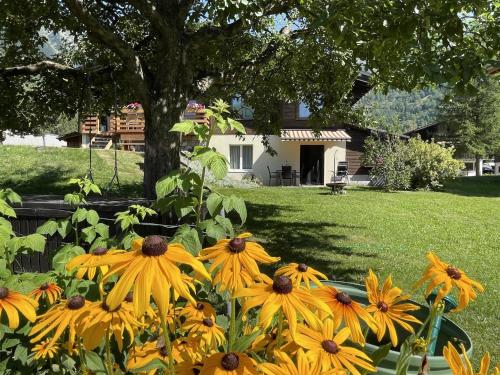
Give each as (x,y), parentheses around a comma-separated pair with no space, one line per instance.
(312,243)
(484,186)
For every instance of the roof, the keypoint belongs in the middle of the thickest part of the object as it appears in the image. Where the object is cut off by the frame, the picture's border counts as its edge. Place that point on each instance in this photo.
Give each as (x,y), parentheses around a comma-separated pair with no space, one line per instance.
(416,130)
(69,135)
(310,135)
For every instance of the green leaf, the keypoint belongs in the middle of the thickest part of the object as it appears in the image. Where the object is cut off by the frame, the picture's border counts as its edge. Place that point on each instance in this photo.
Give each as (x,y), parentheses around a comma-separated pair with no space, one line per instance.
(4,271)
(214,202)
(92,217)
(189,238)
(240,207)
(79,215)
(244,342)
(10,195)
(184,206)
(64,227)
(102,229)
(21,354)
(218,165)
(94,362)
(35,242)
(378,355)
(223,321)
(236,125)
(185,127)
(154,364)
(88,234)
(49,227)
(6,209)
(167,184)
(226,224)
(64,255)
(215,230)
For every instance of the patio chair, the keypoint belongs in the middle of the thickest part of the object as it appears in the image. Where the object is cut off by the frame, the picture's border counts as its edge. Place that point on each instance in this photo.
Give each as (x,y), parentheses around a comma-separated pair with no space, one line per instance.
(286,174)
(272,175)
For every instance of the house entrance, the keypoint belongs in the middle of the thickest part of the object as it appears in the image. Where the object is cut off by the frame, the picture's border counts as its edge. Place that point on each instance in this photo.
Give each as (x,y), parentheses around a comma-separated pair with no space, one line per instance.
(312,158)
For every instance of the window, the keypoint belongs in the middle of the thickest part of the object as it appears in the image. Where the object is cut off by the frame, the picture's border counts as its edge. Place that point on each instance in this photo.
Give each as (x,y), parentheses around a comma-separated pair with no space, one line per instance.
(304,111)
(242,110)
(241,157)
(103,124)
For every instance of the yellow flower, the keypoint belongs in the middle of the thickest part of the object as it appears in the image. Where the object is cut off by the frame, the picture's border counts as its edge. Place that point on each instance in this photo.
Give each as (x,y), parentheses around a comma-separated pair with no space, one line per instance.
(387,307)
(98,320)
(44,350)
(463,366)
(286,366)
(13,303)
(142,355)
(299,273)
(211,335)
(198,310)
(236,261)
(187,349)
(266,342)
(445,276)
(151,268)
(59,317)
(87,263)
(281,294)
(346,310)
(326,349)
(48,290)
(229,364)
(188,368)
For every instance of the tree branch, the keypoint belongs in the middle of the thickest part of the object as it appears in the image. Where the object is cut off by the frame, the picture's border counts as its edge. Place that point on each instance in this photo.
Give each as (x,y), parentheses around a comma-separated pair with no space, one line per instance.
(36,68)
(156,19)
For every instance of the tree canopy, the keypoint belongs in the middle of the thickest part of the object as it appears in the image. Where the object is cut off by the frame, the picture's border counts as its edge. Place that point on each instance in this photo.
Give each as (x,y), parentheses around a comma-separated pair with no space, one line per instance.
(163,53)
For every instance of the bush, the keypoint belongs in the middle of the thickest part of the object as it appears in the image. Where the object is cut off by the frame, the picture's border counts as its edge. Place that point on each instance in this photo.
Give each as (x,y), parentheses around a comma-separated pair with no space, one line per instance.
(414,164)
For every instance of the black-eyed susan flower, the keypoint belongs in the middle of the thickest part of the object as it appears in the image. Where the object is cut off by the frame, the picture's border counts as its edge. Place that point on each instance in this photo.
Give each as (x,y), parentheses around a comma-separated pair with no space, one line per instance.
(445,276)
(188,368)
(13,303)
(325,348)
(236,261)
(45,350)
(282,294)
(229,364)
(346,310)
(388,307)
(211,335)
(51,291)
(59,318)
(87,263)
(142,355)
(187,349)
(99,320)
(462,366)
(198,310)
(266,342)
(151,269)
(286,366)
(300,272)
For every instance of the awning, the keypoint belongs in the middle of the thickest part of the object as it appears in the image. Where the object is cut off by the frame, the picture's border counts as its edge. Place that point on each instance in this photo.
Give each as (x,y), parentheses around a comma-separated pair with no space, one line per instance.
(308,135)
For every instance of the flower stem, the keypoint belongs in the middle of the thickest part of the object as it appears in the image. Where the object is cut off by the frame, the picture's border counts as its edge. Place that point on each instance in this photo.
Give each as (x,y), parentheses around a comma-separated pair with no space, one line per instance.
(280,330)
(168,344)
(109,364)
(82,357)
(232,326)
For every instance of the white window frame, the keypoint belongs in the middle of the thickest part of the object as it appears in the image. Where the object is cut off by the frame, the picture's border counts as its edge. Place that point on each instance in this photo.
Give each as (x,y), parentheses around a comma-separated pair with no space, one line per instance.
(241,158)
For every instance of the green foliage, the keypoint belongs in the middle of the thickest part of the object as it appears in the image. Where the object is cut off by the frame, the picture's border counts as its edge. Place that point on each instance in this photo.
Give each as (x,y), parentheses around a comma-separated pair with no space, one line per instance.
(474,119)
(415,164)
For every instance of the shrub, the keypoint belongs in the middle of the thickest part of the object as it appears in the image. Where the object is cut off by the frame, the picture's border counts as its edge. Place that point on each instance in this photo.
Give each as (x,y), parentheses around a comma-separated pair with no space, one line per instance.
(416,164)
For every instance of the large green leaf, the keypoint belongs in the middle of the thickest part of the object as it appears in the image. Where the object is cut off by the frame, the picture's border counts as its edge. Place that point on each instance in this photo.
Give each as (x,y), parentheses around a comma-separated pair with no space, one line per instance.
(189,238)
(236,125)
(92,217)
(64,255)
(35,242)
(218,165)
(49,227)
(185,127)
(214,202)
(6,209)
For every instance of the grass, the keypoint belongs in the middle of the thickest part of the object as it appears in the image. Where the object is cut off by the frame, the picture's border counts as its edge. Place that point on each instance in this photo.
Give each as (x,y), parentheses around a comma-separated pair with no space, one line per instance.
(345,235)
(30,170)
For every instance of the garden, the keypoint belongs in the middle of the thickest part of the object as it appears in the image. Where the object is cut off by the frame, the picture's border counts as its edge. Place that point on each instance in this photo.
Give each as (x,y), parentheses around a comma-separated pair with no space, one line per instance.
(333,285)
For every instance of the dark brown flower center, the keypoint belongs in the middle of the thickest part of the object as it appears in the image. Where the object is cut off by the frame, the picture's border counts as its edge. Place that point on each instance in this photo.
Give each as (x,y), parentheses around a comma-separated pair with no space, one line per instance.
(230,362)
(129,297)
(99,251)
(196,371)
(382,306)
(330,346)
(105,307)
(44,286)
(282,285)
(302,267)
(76,302)
(343,298)
(200,306)
(208,322)
(154,246)
(163,351)
(237,245)
(454,273)
(4,292)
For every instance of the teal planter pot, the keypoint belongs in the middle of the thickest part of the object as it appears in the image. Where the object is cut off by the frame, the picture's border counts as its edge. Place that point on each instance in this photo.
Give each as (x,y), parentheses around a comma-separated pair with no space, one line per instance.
(449,332)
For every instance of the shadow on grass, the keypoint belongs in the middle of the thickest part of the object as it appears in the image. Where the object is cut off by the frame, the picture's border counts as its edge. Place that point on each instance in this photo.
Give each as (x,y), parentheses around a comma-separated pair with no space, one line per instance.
(53,181)
(484,186)
(312,243)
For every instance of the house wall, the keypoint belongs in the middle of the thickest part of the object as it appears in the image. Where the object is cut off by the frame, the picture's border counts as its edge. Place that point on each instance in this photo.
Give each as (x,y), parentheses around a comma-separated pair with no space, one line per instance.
(288,153)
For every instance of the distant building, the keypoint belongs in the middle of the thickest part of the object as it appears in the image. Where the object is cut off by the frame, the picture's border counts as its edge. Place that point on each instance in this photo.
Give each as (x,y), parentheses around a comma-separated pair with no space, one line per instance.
(48,140)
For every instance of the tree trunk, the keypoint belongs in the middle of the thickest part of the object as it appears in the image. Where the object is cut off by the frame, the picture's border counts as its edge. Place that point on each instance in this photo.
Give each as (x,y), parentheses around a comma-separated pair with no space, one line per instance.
(479,166)
(161,153)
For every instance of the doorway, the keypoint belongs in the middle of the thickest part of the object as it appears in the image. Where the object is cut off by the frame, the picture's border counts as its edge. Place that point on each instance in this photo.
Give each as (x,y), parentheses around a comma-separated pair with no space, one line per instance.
(312,158)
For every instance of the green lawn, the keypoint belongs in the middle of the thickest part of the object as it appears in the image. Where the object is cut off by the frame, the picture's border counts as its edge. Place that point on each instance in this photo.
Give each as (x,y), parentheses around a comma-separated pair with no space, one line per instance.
(30,170)
(346,235)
